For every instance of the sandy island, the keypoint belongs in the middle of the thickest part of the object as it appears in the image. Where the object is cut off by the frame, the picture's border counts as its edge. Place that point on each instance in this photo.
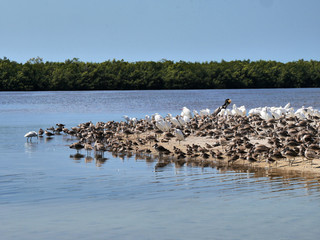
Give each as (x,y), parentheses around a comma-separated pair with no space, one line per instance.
(247,142)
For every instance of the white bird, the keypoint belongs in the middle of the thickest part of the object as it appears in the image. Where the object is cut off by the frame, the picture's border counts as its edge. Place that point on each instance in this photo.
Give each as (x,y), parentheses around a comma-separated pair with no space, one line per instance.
(205,112)
(30,135)
(316,113)
(134,121)
(167,125)
(265,114)
(161,125)
(254,111)
(179,135)
(186,119)
(175,121)
(222,112)
(195,113)
(186,112)
(157,117)
(181,121)
(301,113)
(126,118)
(164,126)
(275,114)
(235,110)
(243,110)
(287,106)
(147,118)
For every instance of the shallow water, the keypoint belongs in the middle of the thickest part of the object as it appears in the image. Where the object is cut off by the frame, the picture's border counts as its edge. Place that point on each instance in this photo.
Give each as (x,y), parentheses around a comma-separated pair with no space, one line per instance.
(45,193)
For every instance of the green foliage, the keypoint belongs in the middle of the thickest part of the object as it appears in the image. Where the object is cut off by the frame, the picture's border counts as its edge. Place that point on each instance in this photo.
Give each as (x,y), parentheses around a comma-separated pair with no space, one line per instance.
(36,75)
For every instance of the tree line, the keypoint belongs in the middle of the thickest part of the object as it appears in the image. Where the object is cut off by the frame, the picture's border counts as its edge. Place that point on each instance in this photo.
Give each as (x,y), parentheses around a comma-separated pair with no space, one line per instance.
(36,75)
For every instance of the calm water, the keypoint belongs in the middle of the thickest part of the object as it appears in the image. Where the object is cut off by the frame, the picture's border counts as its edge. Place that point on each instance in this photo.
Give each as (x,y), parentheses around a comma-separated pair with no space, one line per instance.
(46,194)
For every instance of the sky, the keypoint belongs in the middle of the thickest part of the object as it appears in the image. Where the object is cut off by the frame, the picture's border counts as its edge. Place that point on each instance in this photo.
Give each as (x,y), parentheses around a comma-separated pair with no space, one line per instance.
(153,30)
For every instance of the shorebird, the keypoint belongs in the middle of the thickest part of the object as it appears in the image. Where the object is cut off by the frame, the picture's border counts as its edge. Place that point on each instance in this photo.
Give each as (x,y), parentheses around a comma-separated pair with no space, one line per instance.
(229,136)
(310,155)
(99,148)
(40,132)
(270,160)
(233,159)
(49,134)
(290,154)
(88,147)
(251,159)
(276,154)
(160,149)
(78,146)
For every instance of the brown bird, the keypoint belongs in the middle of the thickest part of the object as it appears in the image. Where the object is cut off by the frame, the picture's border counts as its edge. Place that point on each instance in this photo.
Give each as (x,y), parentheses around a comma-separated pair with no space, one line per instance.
(40,132)
(78,146)
(310,155)
(49,134)
(160,149)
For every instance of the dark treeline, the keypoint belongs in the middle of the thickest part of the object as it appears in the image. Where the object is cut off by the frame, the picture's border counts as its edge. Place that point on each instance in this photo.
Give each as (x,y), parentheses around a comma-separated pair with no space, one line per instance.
(36,75)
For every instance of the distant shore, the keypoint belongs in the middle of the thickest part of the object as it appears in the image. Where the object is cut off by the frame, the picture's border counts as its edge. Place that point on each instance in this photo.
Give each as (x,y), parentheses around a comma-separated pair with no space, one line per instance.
(72,74)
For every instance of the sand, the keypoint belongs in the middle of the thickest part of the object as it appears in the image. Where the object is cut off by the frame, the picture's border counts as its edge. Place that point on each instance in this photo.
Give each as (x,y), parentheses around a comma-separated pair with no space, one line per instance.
(299,165)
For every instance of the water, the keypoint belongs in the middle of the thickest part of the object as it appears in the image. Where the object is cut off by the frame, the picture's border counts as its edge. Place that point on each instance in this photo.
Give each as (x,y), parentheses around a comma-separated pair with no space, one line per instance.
(46,194)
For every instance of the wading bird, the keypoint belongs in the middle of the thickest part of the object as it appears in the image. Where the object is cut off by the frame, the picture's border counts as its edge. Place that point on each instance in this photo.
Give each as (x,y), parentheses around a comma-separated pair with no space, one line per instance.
(179,135)
(30,135)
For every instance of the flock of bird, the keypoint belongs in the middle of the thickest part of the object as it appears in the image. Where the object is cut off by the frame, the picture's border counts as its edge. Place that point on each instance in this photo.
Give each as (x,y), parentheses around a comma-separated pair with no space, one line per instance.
(276,136)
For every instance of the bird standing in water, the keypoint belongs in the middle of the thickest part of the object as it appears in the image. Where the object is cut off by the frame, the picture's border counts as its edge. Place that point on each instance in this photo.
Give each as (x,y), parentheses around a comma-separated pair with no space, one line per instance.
(224,106)
(30,135)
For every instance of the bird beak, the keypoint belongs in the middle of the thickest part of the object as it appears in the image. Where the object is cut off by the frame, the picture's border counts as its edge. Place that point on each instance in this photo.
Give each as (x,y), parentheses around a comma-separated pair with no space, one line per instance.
(229,101)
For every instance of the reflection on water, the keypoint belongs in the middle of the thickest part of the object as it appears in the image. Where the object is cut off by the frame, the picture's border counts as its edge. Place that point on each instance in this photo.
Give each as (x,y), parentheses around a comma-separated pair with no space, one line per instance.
(30,147)
(229,180)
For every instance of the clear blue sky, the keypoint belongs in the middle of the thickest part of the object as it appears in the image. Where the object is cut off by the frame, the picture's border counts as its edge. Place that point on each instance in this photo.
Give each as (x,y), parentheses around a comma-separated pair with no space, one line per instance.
(137,30)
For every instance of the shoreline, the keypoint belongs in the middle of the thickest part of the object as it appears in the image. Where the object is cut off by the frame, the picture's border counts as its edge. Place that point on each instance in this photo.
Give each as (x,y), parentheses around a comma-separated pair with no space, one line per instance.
(298,166)
(287,143)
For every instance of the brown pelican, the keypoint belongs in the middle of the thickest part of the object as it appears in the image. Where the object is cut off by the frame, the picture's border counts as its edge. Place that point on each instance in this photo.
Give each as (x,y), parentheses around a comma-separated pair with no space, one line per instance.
(224,106)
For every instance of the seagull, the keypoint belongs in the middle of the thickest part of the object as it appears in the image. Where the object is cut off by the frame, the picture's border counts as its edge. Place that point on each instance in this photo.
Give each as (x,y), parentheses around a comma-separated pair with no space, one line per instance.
(30,135)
